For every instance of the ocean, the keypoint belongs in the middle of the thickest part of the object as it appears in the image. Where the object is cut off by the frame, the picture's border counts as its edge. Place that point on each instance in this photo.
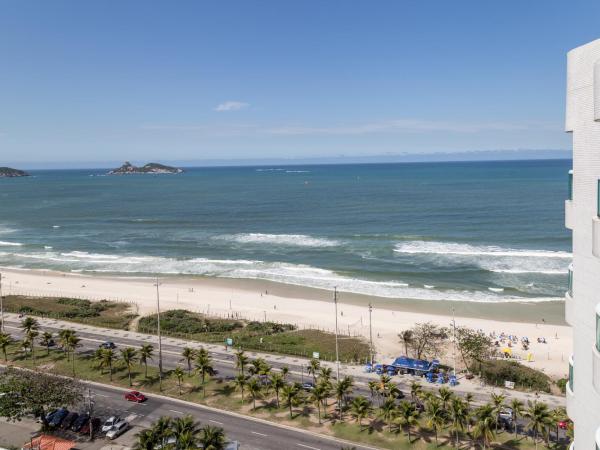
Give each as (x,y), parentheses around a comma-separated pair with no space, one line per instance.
(475,231)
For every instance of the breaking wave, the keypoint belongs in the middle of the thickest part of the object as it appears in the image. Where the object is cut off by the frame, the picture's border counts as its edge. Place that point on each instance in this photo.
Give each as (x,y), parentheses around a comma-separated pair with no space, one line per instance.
(297,240)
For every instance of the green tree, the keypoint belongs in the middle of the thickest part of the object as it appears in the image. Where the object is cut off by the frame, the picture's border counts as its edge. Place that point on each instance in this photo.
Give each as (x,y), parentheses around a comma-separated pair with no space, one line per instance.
(459,416)
(277,383)
(108,358)
(145,440)
(474,346)
(343,388)
(255,389)
(498,402)
(184,428)
(72,344)
(5,341)
(35,393)
(436,416)
(517,407)
(178,372)
(540,418)
(240,383)
(290,393)
(406,338)
(46,340)
(29,324)
(313,367)
(188,354)
(558,415)
(445,396)
(318,395)
(212,438)
(485,422)
(241,361)
(203,365)
(146,352)
(407,416)
(63,340)
(360,408)
(388,411)
(129,358)
(416,390)
(29,342)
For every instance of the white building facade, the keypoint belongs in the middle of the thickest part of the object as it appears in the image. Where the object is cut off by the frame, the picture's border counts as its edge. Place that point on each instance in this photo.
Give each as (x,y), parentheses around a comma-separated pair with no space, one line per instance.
(582,216)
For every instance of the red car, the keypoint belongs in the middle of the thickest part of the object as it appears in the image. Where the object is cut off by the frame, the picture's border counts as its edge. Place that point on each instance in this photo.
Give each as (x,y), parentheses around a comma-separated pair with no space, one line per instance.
(135,396)
(564,424)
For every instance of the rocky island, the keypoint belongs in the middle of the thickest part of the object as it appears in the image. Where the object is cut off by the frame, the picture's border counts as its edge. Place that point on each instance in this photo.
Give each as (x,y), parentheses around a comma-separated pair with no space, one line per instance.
(155,168)
(7,172)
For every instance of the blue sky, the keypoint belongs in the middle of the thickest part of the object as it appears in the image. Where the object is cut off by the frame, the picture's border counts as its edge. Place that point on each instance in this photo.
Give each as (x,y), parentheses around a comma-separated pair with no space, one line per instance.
(115,80)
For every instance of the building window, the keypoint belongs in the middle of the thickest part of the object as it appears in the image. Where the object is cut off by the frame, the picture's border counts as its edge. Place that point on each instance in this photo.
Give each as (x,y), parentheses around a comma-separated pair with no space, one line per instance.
(571,374)
(570,286)
(598,328)
(571,184)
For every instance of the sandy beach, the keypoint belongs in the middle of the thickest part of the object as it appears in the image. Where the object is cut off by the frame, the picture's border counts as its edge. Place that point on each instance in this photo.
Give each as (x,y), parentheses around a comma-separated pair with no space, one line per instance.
(305,307)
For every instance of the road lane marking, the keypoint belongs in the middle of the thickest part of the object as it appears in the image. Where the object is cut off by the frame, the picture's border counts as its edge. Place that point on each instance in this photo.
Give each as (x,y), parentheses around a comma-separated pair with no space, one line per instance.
(260,434)
(175,411)
(215,421)
(308,446)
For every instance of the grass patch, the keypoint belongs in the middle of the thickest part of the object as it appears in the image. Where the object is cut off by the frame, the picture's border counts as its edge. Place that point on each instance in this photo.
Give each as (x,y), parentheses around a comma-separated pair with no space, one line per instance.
(104,313)
(495,372)
(259,336)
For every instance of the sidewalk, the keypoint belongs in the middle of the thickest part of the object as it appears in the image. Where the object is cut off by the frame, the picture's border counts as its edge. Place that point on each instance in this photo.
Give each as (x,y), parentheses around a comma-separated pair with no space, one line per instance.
(361,378)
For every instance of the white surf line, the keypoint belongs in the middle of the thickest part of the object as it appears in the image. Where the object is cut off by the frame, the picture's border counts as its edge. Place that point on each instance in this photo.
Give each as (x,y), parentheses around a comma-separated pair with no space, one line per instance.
(260,434)
(307,446)
(216,421)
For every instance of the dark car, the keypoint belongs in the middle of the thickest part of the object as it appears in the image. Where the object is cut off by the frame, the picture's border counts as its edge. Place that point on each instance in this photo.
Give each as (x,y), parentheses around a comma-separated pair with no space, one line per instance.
(80,422)
(108,345)
(95,425)
(308,386)
(68,421)
(399,395)
(58,417)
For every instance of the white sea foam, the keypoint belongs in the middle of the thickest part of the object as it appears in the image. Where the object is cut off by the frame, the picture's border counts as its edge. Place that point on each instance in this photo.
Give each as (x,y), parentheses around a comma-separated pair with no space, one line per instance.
(10,244)
(296,240)
(491,258)
(6,230)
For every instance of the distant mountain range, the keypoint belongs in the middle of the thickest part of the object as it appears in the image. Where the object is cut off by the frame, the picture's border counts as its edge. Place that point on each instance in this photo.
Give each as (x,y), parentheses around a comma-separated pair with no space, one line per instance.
(152,168)
(7,172)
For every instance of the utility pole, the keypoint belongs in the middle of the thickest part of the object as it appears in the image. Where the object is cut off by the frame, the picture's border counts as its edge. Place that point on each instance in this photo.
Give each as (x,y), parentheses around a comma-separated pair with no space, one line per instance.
(370,334)
(453,343)
(160,374)
(91,412)
(337,356)
(1,307)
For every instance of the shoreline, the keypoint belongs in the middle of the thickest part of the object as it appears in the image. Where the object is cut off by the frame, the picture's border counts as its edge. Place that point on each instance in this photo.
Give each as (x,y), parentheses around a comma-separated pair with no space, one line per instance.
(312,308)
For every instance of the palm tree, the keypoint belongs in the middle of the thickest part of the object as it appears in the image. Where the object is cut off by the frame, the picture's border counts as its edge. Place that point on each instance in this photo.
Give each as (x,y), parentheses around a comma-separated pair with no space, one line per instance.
(29,324)
(204,366)
(212,438)
(188,355)
(407,416)
(185,426)
(72,344)
(46,340)
(162,429)
(313,367)
(373,388)
(539,418)
(146,352)
(343,388)
(277,383)
(318,395)
(240,382)
(146,440)
(388,411)
(284,371)
(178,372)
(498,402)
(290,395)
(558,415)
(436,416)
(445,396)
(407,338)
(129,357)
(416,390)
(5,341)
(255,389)
(517,411)
(29,342)
(241,361)
(326,373)
(360,408)
(187,441)
(108,359)
(485,421)
(459,416)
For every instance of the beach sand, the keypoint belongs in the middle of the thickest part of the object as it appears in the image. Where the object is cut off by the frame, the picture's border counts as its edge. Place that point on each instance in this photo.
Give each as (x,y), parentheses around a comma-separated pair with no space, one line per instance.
(313,308)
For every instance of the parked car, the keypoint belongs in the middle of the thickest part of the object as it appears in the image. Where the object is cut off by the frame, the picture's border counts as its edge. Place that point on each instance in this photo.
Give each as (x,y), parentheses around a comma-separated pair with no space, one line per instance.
(82,420)
(108,345)
(58,417)
(110,422)
(308,386)
(506,413)
(117,430)
(68,421)
(95,425)
(135,396)
(564,424)
(400,395)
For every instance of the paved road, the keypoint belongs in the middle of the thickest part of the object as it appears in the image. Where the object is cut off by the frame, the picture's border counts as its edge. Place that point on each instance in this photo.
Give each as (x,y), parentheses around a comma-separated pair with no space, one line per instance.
(223,360)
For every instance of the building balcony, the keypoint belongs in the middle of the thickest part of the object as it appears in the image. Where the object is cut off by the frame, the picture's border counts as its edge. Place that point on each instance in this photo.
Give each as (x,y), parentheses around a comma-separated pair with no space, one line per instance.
(596,354)
(569,214)
(571,405)
(569,308)
(596,237)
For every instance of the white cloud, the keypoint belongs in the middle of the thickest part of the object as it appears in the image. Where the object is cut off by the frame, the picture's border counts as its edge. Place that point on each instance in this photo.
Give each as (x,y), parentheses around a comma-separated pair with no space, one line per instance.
(231,106)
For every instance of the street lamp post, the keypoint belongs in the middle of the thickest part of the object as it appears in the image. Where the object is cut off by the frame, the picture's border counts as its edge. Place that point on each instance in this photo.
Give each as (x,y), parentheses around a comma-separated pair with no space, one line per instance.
(453,343)
(337,356)
(370,334)
(160,371)
(1,307)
